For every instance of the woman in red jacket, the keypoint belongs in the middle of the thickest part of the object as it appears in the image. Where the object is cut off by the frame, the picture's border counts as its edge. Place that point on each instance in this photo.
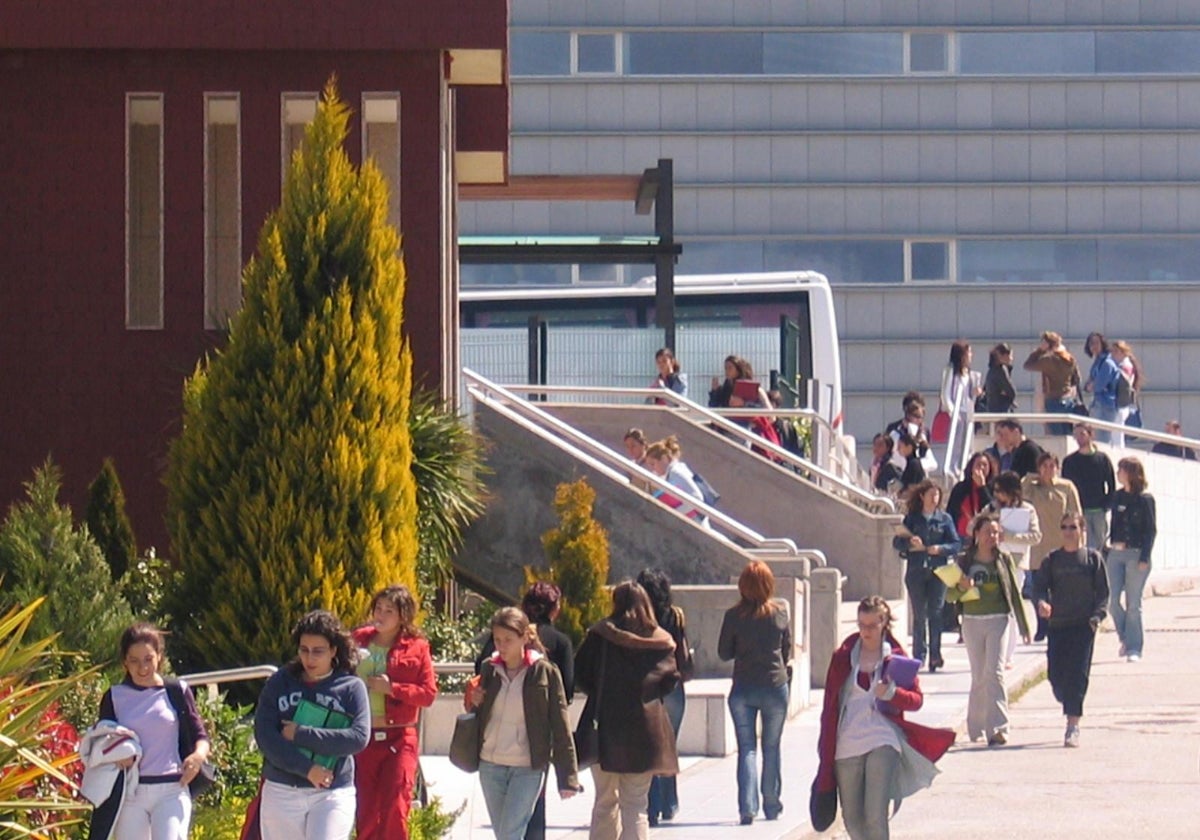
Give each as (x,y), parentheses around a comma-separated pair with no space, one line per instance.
(398,670)
(863,730)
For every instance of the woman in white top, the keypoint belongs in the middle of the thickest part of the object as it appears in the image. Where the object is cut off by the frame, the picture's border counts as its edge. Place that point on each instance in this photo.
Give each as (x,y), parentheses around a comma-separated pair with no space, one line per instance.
(663,459)
(515,749)
(960,387)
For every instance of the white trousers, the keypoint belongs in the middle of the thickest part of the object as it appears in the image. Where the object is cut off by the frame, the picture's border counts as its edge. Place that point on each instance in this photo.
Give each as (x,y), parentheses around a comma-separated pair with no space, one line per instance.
(986,638)
(293,813)
(160,811)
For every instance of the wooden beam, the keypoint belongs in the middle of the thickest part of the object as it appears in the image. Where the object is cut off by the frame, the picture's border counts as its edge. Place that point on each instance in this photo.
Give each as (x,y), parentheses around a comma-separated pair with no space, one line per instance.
(556,188)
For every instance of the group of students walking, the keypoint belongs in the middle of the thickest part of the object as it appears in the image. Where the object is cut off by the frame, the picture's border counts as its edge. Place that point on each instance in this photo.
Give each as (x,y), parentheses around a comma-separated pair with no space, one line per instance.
(337,728)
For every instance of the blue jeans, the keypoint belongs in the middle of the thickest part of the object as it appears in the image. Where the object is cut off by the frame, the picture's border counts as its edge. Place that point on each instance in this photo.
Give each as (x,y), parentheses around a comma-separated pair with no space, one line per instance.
(664,795)
(745,704)
(1054,406)
(510,794)
(1125,576)
(1111,414)
(927,594)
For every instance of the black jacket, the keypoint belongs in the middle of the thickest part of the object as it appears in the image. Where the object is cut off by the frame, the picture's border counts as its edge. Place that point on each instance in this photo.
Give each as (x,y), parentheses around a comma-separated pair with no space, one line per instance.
(1134,522)
(1075,585)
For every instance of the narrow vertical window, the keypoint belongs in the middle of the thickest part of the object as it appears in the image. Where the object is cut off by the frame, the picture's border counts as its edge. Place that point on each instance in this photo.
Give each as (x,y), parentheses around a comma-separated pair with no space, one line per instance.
(299,109)
(381,143)
(222,210)
(143,211)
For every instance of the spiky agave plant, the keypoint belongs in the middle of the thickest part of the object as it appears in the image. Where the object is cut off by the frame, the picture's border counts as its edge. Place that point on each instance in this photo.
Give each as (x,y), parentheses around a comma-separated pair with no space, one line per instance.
(26,699)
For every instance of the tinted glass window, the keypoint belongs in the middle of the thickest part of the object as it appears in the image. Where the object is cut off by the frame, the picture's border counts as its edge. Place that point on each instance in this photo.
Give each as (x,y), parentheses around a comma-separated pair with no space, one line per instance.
(597,53)
(1148,52)
(1027,261)
(474,276)
(540,53)
(720,257)
(930,261)
(834,53)
(847,261)
(1150,261)
(1026,53)
(694,53)
(928,52)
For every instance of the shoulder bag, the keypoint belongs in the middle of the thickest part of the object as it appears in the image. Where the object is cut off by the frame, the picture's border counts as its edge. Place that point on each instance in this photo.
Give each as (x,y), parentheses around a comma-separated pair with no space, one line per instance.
(464,743)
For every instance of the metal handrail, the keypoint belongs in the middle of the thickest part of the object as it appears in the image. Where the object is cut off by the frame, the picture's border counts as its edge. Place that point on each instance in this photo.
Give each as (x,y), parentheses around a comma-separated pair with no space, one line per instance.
(600,457)
(864,498)
(211,679)
(1129,431)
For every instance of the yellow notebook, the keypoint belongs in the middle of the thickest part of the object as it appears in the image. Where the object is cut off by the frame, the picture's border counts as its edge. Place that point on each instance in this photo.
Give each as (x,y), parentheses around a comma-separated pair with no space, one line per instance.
(950,575)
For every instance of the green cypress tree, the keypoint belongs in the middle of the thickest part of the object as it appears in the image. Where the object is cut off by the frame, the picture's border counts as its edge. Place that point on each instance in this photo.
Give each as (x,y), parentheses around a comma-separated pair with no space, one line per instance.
(290,486)
(107,521)
(43,554)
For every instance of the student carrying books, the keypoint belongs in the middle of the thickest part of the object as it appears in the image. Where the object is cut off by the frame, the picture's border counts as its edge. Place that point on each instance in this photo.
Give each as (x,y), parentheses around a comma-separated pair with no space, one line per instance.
(312,717)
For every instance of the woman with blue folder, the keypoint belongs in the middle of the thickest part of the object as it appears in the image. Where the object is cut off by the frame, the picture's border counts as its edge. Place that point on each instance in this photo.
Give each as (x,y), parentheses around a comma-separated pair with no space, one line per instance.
(868,753)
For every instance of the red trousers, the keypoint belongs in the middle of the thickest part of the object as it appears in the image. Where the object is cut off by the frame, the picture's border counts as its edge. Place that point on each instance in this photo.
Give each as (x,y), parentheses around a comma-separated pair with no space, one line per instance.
(384,774)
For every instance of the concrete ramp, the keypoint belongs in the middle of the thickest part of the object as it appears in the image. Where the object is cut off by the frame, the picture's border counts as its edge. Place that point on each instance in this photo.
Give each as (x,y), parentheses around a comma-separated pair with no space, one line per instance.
(526,467)
(767,497)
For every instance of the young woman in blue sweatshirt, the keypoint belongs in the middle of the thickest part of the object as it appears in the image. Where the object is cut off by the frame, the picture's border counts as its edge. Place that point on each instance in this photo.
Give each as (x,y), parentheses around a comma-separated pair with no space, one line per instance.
(313,715)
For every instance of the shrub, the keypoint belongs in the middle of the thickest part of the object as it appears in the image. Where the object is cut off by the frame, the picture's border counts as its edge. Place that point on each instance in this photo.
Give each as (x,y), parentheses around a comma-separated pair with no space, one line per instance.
(107,521)
(456,638)
(577,558)
(37,747)
(291,485)
(145,586)
(42,553)
(431,822)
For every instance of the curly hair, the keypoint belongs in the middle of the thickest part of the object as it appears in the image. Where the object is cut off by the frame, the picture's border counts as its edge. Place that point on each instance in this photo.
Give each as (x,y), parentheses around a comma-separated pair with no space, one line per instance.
(326,625)
(540,601)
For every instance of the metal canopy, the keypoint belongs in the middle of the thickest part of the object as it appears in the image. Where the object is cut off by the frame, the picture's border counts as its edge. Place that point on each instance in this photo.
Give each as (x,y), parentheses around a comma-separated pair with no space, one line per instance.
(655,190)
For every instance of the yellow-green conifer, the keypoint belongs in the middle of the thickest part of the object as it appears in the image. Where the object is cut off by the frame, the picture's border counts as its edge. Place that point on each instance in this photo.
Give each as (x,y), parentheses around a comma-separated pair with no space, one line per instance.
(578,560)
(290,486)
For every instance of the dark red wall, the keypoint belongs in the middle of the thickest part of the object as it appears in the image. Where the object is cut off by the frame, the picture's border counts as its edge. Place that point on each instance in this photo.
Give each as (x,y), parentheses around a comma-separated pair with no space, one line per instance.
(74,382)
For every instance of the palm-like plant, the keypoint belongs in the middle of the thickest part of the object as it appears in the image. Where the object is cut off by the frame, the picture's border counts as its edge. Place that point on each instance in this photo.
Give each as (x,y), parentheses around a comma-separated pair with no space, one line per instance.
(448,468)
(27,725)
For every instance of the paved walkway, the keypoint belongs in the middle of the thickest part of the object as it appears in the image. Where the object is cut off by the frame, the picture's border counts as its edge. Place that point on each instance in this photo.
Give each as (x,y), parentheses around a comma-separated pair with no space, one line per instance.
(990,793)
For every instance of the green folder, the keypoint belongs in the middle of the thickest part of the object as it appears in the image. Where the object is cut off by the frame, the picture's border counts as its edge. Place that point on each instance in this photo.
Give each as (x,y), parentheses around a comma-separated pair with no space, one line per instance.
(319,717)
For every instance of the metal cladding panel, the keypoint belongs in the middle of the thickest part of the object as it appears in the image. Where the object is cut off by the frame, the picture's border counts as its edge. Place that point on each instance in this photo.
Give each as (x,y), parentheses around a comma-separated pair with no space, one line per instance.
(262,24)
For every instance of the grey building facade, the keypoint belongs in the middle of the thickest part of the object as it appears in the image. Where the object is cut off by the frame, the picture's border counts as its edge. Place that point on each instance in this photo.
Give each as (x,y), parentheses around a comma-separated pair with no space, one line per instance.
(984,169)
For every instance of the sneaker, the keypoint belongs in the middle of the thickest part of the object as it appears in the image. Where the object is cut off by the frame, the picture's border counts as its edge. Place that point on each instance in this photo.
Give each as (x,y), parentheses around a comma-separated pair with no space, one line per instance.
(998,740)
(1071,739)
(1134,657)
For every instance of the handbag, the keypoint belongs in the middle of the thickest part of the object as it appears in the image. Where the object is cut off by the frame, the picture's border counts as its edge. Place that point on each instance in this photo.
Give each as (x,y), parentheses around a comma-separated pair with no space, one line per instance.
(940,431)
(464,743)
(205,779)
(822,807)
(587,731)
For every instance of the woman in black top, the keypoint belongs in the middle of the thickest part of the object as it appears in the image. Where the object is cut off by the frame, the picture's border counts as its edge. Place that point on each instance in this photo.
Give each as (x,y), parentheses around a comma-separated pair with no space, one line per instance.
(1130,542)
(756,635)
(664,796)
(1070,590)
(999,393)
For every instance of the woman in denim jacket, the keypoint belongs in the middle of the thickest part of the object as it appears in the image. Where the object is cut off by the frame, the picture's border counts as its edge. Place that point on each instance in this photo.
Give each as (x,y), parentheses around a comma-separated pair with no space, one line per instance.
(926,540)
